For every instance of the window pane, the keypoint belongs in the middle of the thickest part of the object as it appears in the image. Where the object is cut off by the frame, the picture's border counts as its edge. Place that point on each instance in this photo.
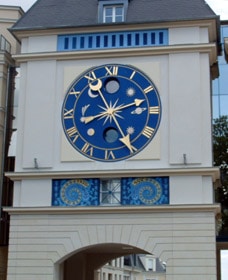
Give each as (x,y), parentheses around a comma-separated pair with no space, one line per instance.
(129,39)
(223,105)
(108,19)
(119,19)
(108,14)
(121,40)
(119,11)
(216,107)
(137,39)
(66,43)
(223,89)
(108,11)
(110,191)
(74,43)
(118,14)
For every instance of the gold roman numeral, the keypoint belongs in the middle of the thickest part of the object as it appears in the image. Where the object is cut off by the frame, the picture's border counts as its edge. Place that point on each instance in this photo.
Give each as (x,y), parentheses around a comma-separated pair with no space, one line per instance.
(132,75)
(148,89)
(109,154)
(76,93)
(68,114)
(148,131)
(154,110)
(91,76)
(87,149)
(112,70)
(73,133)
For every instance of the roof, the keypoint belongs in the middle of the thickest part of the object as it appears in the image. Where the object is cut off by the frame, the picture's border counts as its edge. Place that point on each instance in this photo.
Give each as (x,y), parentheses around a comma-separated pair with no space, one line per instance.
(47,14)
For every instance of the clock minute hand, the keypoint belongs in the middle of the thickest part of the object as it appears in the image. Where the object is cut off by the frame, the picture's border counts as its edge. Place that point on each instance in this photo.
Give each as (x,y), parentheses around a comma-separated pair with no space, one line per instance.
(127,142)
(126,138)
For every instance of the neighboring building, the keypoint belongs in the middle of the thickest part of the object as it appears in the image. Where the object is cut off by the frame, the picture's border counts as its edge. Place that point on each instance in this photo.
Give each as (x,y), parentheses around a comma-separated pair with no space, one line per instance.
(137,267)
(114,152)
(8,46)
(220,85)
(220,108)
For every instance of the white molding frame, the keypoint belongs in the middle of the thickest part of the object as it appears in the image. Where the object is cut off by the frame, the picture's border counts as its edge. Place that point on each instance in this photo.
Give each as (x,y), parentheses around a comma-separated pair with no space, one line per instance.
(214,172)
(128,52)
(215,208)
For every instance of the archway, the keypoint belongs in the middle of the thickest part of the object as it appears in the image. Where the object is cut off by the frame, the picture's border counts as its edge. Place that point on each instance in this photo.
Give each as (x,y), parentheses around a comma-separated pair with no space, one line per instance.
(83,264)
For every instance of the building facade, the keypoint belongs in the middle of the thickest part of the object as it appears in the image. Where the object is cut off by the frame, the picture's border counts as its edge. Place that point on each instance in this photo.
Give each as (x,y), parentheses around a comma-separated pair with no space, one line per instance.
(220,93)
(8,46)
(138,267)
(220,110)
(114,152)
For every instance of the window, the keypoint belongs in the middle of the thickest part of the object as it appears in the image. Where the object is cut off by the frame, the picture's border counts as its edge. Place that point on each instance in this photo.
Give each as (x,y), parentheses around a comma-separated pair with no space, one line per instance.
(113,14)
(110,191)
(112,11)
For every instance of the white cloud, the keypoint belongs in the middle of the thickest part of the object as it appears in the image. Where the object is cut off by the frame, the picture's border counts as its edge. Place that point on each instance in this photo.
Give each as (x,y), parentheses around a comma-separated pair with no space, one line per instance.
(24,4)
(220,7)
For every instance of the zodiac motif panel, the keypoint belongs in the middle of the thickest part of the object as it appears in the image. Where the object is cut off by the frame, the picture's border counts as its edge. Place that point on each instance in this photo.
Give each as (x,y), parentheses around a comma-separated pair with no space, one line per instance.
(145,191)
(75,192)
(91,192)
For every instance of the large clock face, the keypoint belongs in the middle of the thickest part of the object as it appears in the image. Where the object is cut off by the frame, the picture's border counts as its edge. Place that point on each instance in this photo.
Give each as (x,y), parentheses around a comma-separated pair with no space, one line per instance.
(111,112)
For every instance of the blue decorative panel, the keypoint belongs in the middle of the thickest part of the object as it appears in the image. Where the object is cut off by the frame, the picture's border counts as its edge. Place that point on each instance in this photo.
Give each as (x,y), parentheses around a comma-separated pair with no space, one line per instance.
(145,191)
(75,192)
(127,39)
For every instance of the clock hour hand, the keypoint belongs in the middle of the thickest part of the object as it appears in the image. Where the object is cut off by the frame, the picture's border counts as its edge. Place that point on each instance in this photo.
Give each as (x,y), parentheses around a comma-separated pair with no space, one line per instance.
(136,102)
(97,87)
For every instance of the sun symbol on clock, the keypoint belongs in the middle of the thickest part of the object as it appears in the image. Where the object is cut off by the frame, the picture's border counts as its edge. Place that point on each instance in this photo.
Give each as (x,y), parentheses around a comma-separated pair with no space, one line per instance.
(130,130)
(130,91)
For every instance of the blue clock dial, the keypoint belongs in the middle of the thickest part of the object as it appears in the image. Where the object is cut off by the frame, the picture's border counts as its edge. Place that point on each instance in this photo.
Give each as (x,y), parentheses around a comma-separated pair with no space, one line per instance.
(111,112)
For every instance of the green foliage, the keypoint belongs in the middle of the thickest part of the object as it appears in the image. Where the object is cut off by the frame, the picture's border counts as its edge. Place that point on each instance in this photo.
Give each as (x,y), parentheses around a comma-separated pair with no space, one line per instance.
(220,149)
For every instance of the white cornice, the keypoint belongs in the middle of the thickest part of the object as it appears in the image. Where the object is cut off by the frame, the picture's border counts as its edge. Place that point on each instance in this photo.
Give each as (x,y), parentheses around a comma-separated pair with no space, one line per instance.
(38,174)
(208,23)
(6,58)
(215,208)
(126,52)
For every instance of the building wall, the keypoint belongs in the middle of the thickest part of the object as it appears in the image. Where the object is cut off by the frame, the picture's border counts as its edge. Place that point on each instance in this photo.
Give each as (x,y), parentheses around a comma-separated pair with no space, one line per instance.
(182,233)
(8,17)
(8,46)
(182,239)
(185,128)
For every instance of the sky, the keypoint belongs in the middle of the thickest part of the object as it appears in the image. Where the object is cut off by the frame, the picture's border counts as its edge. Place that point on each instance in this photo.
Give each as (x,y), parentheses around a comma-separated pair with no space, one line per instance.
(220,7)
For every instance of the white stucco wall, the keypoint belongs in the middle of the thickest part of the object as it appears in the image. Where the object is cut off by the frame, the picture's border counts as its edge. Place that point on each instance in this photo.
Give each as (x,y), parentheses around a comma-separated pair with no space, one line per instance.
(182,233)
(184,128)
(184,240)
(182,141)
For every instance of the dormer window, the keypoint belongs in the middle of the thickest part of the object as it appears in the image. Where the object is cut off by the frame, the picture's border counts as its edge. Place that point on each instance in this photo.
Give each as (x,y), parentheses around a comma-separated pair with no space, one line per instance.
(112,11)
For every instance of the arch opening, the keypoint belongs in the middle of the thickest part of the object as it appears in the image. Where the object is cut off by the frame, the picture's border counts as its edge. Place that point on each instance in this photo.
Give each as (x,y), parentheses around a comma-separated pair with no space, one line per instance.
(108,261)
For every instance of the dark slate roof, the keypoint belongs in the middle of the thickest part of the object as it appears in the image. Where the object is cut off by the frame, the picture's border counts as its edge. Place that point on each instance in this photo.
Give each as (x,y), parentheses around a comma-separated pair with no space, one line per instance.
(45,14)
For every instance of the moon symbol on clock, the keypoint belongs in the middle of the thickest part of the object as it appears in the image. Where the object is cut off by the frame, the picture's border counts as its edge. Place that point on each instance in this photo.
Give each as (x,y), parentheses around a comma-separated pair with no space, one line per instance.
(91,94)
(96,86)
